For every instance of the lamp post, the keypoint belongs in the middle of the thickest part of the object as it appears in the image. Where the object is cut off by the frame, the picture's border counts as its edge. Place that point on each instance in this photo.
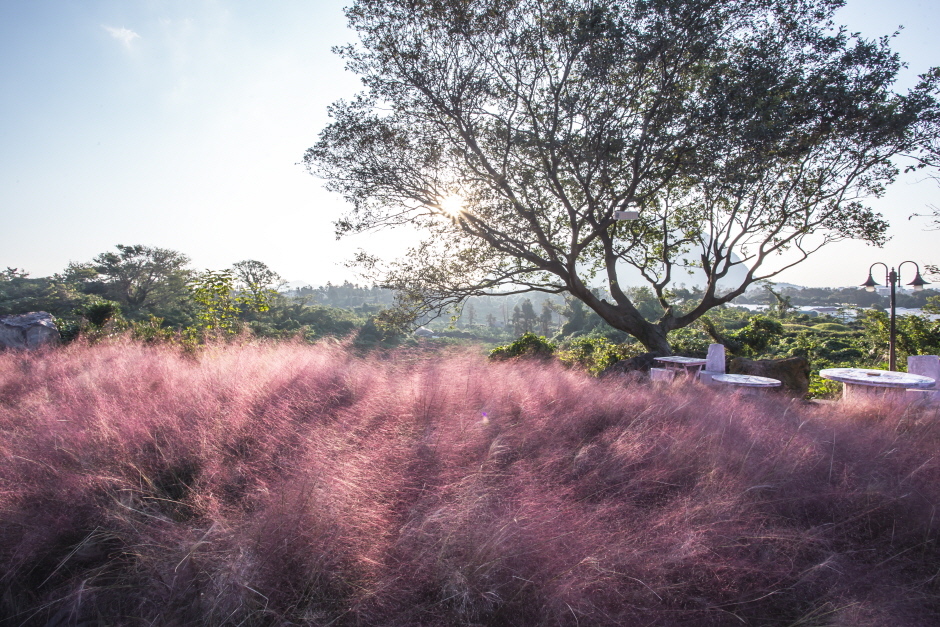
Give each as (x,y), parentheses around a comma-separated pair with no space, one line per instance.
(893,278)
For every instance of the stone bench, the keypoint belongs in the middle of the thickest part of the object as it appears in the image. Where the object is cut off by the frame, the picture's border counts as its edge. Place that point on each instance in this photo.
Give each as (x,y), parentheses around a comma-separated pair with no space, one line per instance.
(714,364)
(662,375)
(925,366)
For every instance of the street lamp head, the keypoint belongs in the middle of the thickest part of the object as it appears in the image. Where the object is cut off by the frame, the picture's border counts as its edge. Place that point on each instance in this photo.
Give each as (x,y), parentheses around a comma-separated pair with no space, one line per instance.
(870,283)
(918,283)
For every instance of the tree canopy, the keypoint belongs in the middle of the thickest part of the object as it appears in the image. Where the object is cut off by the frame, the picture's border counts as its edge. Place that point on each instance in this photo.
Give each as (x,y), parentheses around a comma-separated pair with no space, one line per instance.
(746,133)
(257,280)
(138,277)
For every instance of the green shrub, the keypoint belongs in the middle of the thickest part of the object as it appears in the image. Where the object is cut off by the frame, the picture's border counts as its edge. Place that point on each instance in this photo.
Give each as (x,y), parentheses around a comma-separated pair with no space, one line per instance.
(691,341)
(528,345)
(152,330)
(823,388)
(595,353)
(101,312)
(759,333)
(68,329)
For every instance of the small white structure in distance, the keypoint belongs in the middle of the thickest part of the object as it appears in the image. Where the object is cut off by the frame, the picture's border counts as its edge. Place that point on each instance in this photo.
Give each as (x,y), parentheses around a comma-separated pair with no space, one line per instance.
(626,215)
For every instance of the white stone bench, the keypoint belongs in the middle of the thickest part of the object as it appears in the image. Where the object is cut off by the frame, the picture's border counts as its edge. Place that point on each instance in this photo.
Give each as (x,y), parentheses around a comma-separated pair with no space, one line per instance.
(662,375)
(925,366)
(714,364)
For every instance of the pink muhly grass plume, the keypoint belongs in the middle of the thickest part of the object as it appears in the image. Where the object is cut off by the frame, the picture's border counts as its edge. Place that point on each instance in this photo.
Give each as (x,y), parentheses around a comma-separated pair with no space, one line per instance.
(295,484)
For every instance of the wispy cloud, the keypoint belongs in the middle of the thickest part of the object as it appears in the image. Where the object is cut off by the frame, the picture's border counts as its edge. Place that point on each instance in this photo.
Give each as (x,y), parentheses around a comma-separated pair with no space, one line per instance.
(124,35)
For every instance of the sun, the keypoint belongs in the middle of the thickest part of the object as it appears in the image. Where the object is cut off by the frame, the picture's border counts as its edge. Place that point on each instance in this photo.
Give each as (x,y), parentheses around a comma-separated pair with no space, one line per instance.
(452,205)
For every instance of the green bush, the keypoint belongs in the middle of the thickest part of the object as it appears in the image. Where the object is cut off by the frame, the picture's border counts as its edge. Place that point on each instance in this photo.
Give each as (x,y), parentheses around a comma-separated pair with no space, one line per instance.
(596,353)
(68,329)
(152,330)
(823,388)
(759,333)
(101,312)
(528,345)
(690,341)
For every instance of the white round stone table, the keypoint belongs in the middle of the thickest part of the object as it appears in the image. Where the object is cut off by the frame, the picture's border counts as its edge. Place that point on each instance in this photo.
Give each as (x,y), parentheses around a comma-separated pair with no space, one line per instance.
(863,384)
(747,383)
(690,366)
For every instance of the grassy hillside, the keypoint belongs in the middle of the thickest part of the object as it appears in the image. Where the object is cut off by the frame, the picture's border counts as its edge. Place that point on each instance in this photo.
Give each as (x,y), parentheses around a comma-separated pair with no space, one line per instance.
(292,484)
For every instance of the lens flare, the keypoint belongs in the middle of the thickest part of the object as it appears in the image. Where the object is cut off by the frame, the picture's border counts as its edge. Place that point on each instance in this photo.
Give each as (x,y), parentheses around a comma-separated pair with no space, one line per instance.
(452,206)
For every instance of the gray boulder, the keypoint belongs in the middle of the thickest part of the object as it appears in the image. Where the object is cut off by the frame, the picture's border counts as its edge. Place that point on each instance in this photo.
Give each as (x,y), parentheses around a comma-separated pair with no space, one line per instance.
(28,331)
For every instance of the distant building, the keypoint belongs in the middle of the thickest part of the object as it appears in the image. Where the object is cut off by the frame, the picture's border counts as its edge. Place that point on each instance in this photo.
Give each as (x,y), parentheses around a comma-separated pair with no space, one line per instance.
(884,290)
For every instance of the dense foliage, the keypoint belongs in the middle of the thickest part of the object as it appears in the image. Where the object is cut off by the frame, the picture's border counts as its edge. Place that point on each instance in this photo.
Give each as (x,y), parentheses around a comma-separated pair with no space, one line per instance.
(154,294)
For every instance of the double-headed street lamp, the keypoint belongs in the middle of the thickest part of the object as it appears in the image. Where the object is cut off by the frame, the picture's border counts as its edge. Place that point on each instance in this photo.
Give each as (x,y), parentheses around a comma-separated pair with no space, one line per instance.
(893,279)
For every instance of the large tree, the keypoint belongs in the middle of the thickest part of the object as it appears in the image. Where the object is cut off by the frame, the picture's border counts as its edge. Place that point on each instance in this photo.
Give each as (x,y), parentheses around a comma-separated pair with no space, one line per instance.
(257,281)
(746,133)
(140,278)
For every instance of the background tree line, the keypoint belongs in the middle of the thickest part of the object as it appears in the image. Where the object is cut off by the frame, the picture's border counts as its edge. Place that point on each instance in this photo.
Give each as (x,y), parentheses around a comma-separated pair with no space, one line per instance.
(155,291)
(837,297)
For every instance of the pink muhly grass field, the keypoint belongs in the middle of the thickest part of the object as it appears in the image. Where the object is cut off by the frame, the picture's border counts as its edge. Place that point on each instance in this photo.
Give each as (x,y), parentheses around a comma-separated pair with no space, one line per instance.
(286,484)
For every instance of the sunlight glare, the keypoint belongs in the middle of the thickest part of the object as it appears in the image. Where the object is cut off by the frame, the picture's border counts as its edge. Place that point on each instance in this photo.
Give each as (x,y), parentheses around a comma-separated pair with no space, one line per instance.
(452,205)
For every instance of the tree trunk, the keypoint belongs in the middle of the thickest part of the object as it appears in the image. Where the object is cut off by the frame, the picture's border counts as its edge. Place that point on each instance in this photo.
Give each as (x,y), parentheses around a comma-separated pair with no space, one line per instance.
(653,338)
(625,317)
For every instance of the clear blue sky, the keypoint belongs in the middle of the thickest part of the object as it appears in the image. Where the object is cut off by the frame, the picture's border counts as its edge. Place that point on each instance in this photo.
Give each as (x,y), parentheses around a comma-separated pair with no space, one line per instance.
(180,124)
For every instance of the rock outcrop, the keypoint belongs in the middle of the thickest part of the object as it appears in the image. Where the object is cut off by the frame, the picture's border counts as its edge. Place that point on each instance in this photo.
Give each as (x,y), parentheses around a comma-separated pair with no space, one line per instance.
(28,331)
(792,372)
